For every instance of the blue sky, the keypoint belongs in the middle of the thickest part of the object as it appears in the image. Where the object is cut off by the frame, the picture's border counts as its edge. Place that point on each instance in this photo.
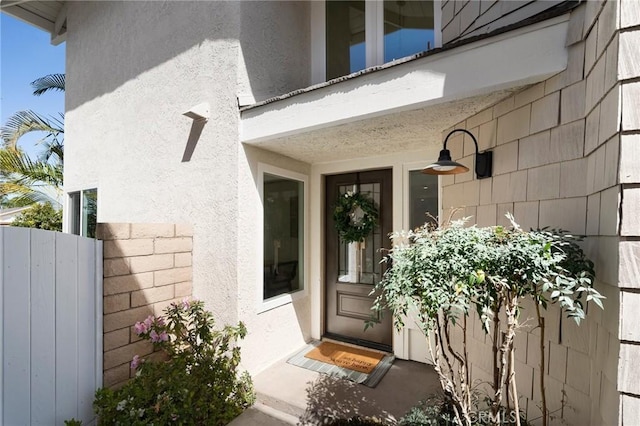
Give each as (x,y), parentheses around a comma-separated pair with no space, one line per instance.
(25,55)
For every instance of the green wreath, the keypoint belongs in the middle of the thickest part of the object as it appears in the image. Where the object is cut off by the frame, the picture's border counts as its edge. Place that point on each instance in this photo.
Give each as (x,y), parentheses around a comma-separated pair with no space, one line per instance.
(354,216)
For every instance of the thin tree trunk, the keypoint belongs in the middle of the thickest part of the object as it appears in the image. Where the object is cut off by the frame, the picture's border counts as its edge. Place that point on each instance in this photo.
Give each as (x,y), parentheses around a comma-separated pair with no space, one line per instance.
(543,391)
(461,412)
(514,387)
(510,310)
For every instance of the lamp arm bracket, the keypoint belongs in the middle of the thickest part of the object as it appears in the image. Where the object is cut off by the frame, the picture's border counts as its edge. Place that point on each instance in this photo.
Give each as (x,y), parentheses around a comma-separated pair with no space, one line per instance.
(473,138)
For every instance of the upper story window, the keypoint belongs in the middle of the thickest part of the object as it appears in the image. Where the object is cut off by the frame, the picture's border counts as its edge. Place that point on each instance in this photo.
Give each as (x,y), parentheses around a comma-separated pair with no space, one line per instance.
(361,34)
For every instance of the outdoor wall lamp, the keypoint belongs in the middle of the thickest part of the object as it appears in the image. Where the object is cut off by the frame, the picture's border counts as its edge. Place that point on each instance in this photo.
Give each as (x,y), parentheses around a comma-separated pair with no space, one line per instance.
(200,112)
(446,166)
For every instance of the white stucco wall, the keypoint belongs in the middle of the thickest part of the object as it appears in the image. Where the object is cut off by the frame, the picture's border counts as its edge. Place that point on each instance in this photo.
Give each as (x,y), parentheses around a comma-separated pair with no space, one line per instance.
(133,68)
(273,333)
(274,49)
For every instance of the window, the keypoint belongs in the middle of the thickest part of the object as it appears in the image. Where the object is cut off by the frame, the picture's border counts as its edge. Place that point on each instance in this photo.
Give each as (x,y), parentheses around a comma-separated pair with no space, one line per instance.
(423,198)
(83,210)
(283,214)
(360,34)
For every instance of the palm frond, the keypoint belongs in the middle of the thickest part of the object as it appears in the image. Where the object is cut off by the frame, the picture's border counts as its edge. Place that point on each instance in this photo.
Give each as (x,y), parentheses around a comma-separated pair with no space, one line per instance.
(24,196)
(47,83)
(23,122)
(53,151)
(19,169)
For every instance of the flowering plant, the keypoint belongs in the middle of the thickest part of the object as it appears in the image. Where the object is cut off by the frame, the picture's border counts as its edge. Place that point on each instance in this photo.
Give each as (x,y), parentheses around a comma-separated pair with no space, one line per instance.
(198,382)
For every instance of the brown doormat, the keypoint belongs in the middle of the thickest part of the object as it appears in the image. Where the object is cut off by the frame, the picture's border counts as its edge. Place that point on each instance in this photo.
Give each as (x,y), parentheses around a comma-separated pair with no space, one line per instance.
(356,359)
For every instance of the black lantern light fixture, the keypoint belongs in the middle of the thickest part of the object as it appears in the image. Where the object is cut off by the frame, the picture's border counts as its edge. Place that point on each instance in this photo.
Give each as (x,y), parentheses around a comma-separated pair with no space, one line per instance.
(446,166)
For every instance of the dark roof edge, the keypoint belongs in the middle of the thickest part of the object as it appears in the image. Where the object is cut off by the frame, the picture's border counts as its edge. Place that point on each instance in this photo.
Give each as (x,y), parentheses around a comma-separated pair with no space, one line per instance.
(557,10)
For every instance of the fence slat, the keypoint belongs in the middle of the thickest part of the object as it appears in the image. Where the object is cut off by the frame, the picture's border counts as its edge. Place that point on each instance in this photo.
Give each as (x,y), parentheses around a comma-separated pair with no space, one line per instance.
(86,329)
(66,327)
(16,329)
(50,326)
(43,362)
(2,322)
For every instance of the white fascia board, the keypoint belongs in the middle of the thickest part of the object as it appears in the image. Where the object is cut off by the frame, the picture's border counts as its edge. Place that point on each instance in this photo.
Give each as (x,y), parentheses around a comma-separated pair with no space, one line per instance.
(29,17)
(512,59)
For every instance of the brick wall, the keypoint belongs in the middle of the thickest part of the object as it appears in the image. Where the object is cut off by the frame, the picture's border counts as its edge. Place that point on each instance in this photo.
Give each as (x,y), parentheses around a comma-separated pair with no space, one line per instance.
(146,267)
(556,163)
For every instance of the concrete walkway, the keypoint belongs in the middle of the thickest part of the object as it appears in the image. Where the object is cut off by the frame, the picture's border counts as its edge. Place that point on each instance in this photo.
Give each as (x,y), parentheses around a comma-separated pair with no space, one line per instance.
(290,395)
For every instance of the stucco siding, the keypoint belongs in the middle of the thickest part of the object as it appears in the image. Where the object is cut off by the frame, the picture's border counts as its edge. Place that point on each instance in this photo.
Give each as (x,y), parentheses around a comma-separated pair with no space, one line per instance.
(275,49)
(556,163)
(133,68)
(277,332)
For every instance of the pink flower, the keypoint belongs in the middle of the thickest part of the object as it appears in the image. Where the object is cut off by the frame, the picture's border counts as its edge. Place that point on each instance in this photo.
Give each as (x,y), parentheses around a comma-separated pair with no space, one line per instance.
(186,304)
(149,321)
(154,336)
(160,321)
(140,328)
(163,337)
(135,362)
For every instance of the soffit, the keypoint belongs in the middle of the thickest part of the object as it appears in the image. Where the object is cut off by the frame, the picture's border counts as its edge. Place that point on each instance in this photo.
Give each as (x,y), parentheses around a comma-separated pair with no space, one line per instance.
(403,106)
(50,16)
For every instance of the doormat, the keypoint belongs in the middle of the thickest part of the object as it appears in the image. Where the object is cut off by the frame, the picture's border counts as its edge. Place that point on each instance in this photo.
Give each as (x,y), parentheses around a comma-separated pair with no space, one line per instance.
(332,358)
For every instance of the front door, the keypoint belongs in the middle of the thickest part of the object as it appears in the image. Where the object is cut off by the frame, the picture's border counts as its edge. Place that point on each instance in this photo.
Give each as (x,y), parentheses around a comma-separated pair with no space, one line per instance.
(353,269)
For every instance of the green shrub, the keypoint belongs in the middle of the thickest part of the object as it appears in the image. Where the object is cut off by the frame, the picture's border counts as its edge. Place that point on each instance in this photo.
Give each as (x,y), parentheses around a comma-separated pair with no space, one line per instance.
(198,384)
(356,421)
(428,413)
(41,216)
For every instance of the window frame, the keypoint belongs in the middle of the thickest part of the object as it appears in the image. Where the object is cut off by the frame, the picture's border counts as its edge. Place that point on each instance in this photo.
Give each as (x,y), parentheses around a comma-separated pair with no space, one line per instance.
(81,206)
(263,305)
(374,35)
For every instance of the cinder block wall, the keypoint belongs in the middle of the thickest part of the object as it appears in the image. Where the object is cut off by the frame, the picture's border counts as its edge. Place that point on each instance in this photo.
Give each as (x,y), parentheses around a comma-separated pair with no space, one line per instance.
(146,267)
(556,163)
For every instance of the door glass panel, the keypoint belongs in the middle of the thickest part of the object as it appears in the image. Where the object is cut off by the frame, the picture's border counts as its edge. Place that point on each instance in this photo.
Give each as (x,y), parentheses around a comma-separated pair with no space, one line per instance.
(423,198)
(360,263)
(345,37)
(408,28)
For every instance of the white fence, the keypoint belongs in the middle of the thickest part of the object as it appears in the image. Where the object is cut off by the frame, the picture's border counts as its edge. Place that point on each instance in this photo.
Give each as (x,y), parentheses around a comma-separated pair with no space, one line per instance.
(50,326)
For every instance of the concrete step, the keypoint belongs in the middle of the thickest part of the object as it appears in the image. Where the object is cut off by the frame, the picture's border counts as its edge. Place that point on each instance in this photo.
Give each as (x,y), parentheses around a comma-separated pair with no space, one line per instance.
(262,415)
(280,405)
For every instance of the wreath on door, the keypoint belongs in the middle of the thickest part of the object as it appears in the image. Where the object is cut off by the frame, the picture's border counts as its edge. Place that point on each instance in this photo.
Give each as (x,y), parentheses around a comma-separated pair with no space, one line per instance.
(354,216)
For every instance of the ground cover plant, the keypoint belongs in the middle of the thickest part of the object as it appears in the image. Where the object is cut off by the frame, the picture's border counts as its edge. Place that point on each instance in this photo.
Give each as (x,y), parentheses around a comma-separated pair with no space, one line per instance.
(443,276)
(197,382)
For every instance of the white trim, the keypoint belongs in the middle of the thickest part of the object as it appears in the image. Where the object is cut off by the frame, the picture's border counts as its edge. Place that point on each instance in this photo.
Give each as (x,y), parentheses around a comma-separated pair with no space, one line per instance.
(66,226)
(99,300)
(283,299)
(318,42)
(374,32)
(437,23)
